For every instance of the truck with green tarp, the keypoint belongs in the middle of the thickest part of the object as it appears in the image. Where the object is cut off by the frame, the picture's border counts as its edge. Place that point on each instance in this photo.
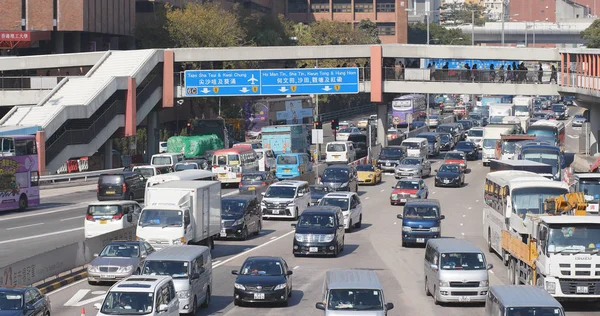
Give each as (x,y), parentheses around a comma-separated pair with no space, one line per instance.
(194,146)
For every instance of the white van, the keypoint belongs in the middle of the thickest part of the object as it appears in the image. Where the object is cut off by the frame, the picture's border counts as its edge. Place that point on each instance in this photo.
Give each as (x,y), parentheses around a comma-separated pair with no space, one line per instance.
(285,199)
(141,295)
(416,147)
(107,216)
(194,273)
(340,152)
(169,159)
(266,159)
(150,170)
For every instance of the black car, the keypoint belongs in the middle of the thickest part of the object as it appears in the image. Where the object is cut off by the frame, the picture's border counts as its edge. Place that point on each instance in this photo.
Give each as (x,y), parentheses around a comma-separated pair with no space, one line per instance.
(317,192)
(340,178)
(467,124)
(127,185)
(240,216)
(319,231)
(263,280)
(360,145)
(23,301)
(560,111)
(471,150)
(449,175)
(446,141)
(390,156)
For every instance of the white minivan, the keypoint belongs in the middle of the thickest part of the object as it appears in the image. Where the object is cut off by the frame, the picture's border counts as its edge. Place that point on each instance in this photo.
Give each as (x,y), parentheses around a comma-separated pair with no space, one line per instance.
(166,159)
(340,152)
(266,159)
(416,147)
(351,207)
(106,216)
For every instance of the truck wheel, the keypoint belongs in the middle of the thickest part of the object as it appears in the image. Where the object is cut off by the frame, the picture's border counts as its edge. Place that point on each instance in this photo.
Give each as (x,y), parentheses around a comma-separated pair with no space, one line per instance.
(244,233)
(259,228)
(489,243)
(511,271)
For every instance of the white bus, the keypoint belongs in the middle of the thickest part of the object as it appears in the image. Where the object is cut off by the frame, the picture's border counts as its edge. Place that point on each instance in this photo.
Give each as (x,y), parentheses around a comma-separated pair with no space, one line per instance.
(508,197)
(184,175)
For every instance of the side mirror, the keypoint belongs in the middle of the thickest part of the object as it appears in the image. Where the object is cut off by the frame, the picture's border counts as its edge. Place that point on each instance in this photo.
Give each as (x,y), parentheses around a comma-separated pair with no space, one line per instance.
(234,272)
(435,170)
(263,193)
(293,224)
(442,217)
(320,306)
(399,216)
(95,255)
(290,272)
(163,308)
(29,307)
(195,276)
(490,266)
(389,306)
(434,267)
(393,187)
(97,306)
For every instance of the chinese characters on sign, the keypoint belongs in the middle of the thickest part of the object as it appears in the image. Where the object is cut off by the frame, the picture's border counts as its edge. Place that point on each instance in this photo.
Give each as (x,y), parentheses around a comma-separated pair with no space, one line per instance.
(16,36)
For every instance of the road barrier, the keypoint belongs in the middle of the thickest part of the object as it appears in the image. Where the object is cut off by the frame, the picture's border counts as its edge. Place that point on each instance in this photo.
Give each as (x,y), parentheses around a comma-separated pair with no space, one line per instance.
(76,175)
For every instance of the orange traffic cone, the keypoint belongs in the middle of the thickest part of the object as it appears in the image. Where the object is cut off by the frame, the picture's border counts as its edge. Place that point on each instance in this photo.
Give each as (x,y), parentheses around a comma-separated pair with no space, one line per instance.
(83,311)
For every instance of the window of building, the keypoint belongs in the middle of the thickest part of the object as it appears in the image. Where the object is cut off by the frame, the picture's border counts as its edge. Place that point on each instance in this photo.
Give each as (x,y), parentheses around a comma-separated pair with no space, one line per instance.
(363,6)
(342,6)
(386,28)
(319,6)
(297,6)
(386,6)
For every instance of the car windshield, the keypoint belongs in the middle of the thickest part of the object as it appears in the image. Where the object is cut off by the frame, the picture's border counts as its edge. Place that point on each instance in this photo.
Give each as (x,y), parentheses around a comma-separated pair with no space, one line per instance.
(421,212)
(262,268)
(464,146)
(475,116)
(445,129)
(391,152)
(521,108)
(232,207)
(365,168)
(345,130)
(466,124)
(475,133)
(127,303)
(449,168)
(489,143)
(316,221)
(320,189)
(336,147)
(558,108)
(579,116)
(574,238)
(410,161)
(281,192)
(287,160)
(335,174)
(161,160)
(342,203)
(411,145)
(146,172)
(508,147)
(454,156)
(540,115)
(534,311)
(531,200)
(10,300)
(354,300)
(121,251)
(164,218)
(445,138)
(253,177)
(462,261)
(411,185)
(187,166)
(176,269)
(103,210)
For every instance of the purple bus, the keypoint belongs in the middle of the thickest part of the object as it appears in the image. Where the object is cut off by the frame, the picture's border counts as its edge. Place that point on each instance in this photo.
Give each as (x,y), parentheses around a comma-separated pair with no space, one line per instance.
(19,173)
(411,104)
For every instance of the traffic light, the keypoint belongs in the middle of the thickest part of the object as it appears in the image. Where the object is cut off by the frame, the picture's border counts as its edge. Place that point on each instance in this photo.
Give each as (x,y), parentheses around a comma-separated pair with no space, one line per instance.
(318,125)
(334,123)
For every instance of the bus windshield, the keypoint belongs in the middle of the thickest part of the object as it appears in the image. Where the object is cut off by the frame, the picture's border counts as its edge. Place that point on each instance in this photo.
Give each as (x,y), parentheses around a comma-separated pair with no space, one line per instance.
(546,156)
(591,189)
(489,143)
(508,147)
(531,200)
(574,238)
(545,135)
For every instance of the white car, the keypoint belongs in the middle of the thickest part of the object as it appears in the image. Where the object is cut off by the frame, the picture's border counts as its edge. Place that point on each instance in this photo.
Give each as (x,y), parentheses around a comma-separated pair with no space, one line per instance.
(475,136)
(350,204)
(344,133)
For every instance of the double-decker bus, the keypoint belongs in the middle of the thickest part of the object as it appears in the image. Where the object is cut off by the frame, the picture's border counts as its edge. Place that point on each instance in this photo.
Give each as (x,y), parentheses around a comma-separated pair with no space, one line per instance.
(552,132)
(19,173)
(543,152)
(412,104)
(508,197)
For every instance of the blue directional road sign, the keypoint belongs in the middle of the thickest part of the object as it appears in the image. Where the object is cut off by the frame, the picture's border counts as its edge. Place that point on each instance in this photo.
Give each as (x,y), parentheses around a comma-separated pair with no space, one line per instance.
(309,81)
(218,83)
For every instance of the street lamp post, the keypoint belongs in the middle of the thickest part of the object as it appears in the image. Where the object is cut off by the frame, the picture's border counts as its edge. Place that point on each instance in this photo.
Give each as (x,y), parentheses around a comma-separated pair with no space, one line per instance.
(473,28)
(534,31)
(502,35)
(458,38)
(427,16)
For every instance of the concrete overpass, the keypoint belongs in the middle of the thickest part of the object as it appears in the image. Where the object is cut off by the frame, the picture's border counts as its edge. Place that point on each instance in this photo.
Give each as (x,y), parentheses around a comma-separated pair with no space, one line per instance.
(521,32)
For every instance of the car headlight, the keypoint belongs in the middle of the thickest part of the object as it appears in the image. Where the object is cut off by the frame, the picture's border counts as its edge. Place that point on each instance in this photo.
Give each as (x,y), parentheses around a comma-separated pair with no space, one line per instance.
(550,287)
(434,229)
(394,196)
(92,268)
(183,294)
(262,203)
(329,238)
(444,284)
(300,237)
(238,222)
(406,229)
(177,241)
(484,283)
(414,196)
(370,176)
(239,286)
(280,286)
(126,269)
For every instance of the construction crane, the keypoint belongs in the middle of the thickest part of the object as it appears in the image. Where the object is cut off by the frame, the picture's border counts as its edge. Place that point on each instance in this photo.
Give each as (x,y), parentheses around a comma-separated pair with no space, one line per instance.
(566,204)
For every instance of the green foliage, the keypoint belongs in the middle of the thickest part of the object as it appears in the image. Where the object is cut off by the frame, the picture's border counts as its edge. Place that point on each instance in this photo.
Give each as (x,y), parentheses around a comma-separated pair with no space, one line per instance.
(164,134)
(592,34)
(369,28)
(183,132)
(417,34)
(454,13)
(265,29)
(150,31)
(124,144)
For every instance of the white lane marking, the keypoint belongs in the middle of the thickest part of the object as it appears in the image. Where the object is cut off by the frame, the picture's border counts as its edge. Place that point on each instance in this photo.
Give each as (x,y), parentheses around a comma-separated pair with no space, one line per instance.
(469,207)
(476,200)
(382,190)
(252,249)
(25,226)
(395,223)
(462,234)
(273,237)
(98,292)
(216,261)
(296,267)
(464,215)
(88,301)
(76,298)
(66,208)
(70,218)
(366,198)
(573,136)
(230,193)
(491,271)
(433,192)
(246,249)
(461,224)
(42,235)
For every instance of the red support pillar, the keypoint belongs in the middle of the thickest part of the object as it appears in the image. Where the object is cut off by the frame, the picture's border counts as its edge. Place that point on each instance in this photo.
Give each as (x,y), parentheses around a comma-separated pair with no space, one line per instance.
(568,69)
(561,66)
(40,139)
(131,108)
(168,98)
(376,73)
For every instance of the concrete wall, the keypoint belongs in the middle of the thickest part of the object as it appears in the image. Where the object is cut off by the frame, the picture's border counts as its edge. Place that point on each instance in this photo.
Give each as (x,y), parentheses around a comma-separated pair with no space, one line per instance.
(469,88)
(22,97)
(50,61)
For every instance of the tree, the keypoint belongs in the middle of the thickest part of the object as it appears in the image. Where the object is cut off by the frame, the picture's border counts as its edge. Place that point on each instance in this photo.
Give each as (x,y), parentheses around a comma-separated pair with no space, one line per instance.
(455,13)
(592,34)
(369,28)
(265,29)
(417,34)
(150,32)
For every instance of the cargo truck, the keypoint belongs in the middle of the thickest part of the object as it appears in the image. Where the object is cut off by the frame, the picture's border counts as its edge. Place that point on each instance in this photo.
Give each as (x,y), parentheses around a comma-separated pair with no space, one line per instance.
(589,185)
(505,147)
(286,139)
(501,110)
(491,135)
(181,212)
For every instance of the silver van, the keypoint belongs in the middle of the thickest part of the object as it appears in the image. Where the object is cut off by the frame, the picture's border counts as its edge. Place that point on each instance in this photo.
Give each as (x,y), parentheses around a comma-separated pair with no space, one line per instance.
(416,147)
(512,300)
(353,292)
(455,271)
(191,270)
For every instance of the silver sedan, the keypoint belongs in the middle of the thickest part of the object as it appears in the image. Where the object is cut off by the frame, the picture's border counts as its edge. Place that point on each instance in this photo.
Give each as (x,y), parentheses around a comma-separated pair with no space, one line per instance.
(413,167)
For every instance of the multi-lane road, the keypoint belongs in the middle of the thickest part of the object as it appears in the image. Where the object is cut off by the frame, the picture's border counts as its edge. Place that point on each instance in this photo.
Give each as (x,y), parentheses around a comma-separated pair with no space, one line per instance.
(376,246)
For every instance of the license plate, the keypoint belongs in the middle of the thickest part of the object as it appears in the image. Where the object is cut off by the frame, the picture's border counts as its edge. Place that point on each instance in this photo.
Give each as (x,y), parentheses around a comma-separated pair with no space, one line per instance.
(259,296)
(110,192)
(287,170)
(103,221)
(223,233)
(336,156)
(446,181)
(403,200)
(251,189)
(275,212)
(421,240)
(582,289)
(388,164)
(313,249)
(222,175)
(464,299)
(107,276)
